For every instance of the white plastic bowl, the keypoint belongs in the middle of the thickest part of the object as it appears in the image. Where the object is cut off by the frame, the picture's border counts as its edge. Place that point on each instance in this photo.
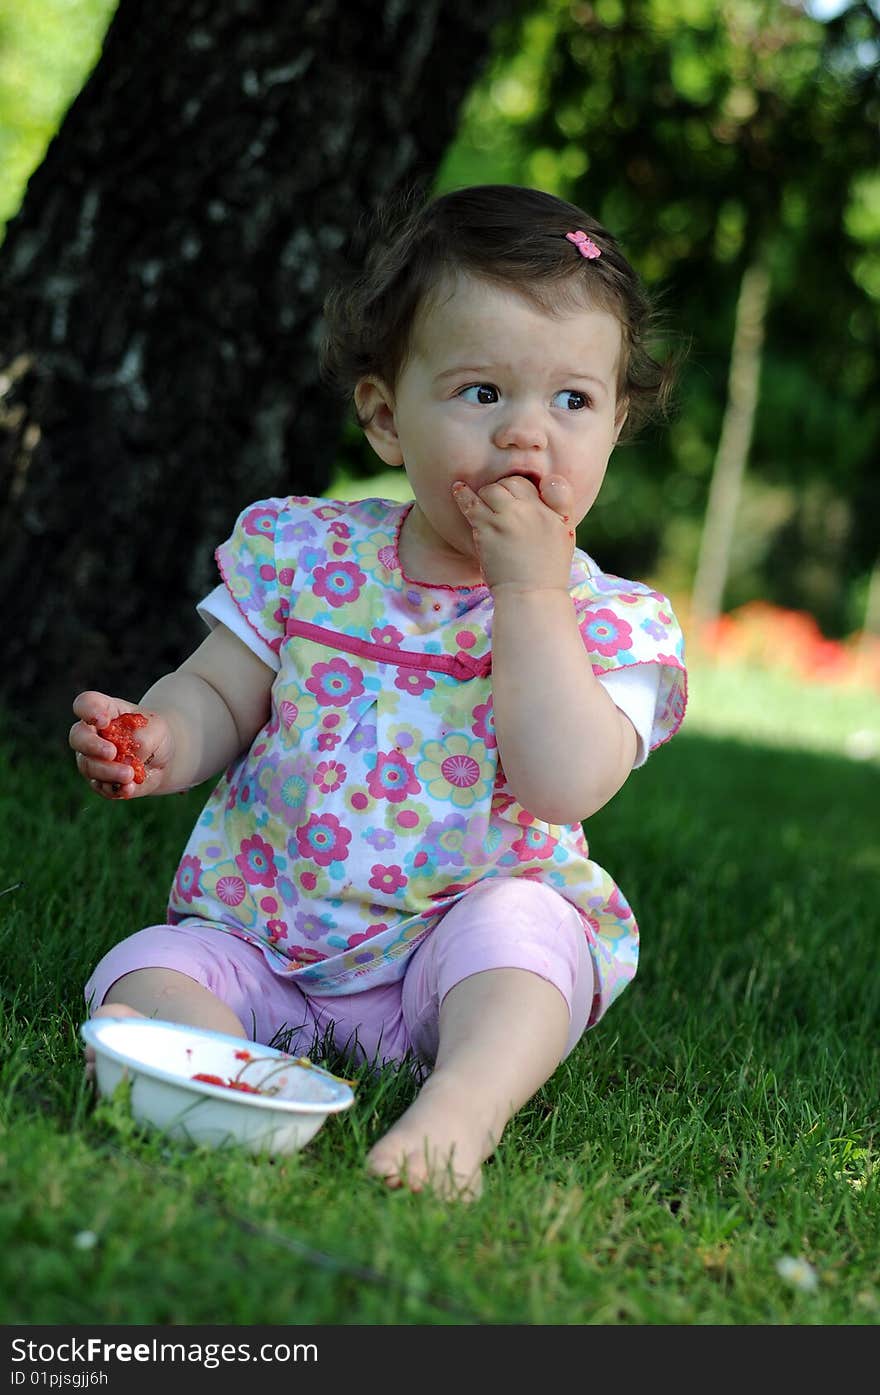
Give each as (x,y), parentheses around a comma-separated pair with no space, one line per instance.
(161,1058)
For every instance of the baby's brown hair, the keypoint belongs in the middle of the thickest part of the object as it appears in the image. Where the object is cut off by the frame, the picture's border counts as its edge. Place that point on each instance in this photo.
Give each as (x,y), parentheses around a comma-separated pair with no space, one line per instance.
(510,236)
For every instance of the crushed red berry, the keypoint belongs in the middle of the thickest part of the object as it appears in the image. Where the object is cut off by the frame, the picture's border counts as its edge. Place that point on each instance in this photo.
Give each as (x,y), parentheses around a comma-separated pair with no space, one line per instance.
(121,732)
(227,1084)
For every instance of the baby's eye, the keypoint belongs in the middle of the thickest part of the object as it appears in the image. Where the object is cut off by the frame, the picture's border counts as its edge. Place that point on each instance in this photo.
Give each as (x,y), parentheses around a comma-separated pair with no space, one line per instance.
(483,393)
(571,400)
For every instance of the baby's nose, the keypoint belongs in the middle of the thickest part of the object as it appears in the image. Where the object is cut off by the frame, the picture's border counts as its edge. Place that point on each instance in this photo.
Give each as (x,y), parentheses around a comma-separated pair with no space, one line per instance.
(521,430)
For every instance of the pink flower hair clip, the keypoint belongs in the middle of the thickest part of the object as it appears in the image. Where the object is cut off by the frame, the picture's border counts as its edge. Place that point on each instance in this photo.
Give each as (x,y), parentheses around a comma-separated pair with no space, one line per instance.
(585,245)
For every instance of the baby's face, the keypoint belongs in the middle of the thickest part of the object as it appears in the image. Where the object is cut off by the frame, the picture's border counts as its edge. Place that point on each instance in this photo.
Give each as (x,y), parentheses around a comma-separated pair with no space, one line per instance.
(494,387)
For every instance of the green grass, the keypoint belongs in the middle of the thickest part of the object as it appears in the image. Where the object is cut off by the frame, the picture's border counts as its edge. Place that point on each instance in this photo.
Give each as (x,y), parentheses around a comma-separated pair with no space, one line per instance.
(779,710)
(723,1115)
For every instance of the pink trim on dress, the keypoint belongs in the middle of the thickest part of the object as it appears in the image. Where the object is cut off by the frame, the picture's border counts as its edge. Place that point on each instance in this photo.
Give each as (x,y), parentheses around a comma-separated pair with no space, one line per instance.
(274,644)
(462,666)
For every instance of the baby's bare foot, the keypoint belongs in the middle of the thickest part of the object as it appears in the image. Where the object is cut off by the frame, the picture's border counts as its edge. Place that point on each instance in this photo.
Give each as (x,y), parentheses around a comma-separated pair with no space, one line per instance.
(107,1010)
(438,1144)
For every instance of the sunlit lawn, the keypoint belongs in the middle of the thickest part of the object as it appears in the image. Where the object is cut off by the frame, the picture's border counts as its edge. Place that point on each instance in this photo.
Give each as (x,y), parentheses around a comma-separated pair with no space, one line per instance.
(784,711)
(706,1156)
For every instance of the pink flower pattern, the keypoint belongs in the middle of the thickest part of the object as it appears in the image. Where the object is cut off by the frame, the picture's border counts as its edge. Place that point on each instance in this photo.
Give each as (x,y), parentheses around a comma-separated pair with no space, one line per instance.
(392,778)
(534,841)
(483,724)
(387,879)
(338,582)
(414,681)
(323,839)
(257,861)
(231,890)
(285,854)
(605,633)
(329,775)
(460,770)
(335,684)
(187,880)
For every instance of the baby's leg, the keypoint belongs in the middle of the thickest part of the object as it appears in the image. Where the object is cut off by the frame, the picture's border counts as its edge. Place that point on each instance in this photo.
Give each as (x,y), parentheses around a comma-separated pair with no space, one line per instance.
(502,1034)
(170,996)
(513,977)
(199,976)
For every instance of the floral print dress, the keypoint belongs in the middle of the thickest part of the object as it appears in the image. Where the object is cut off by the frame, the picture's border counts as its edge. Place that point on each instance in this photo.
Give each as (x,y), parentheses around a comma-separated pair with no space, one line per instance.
(374,797)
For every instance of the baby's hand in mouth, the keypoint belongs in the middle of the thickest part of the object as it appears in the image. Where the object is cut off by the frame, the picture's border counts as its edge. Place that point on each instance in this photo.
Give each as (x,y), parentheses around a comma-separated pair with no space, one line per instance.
(532,477)
(523,532)
(556,494)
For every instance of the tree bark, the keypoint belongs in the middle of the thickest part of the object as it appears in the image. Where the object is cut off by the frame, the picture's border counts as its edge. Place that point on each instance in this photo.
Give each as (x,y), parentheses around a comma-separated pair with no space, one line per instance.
(733,446)
(160,297)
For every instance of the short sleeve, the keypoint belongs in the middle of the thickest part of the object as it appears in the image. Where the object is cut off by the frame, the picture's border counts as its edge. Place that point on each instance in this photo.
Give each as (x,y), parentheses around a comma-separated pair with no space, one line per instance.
(625,623)
(634,691)
(218,608)
(249,567)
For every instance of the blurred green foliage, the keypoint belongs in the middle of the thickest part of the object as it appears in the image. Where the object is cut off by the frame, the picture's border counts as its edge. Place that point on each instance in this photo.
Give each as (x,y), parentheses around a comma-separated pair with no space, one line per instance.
(47,49)
(703,132)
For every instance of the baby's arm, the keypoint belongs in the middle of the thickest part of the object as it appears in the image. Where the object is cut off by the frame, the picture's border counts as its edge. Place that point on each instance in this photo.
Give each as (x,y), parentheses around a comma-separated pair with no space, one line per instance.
(566,748)
(200,718)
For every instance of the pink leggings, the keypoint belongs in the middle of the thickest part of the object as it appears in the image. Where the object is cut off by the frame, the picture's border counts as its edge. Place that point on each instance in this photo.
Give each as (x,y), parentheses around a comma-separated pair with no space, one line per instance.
(503,923)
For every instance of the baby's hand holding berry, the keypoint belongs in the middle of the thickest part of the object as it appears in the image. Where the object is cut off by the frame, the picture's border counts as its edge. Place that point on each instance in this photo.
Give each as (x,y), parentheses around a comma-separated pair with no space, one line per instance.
(120,731)
(119,749)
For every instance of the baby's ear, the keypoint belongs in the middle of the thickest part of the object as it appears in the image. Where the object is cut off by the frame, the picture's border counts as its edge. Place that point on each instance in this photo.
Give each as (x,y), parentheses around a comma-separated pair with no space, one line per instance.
(374,404)
(620,417)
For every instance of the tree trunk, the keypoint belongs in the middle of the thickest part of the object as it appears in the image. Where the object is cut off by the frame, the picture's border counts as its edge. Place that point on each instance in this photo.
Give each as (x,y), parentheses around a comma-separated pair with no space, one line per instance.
(871,627)
(733,445)
(160,297)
